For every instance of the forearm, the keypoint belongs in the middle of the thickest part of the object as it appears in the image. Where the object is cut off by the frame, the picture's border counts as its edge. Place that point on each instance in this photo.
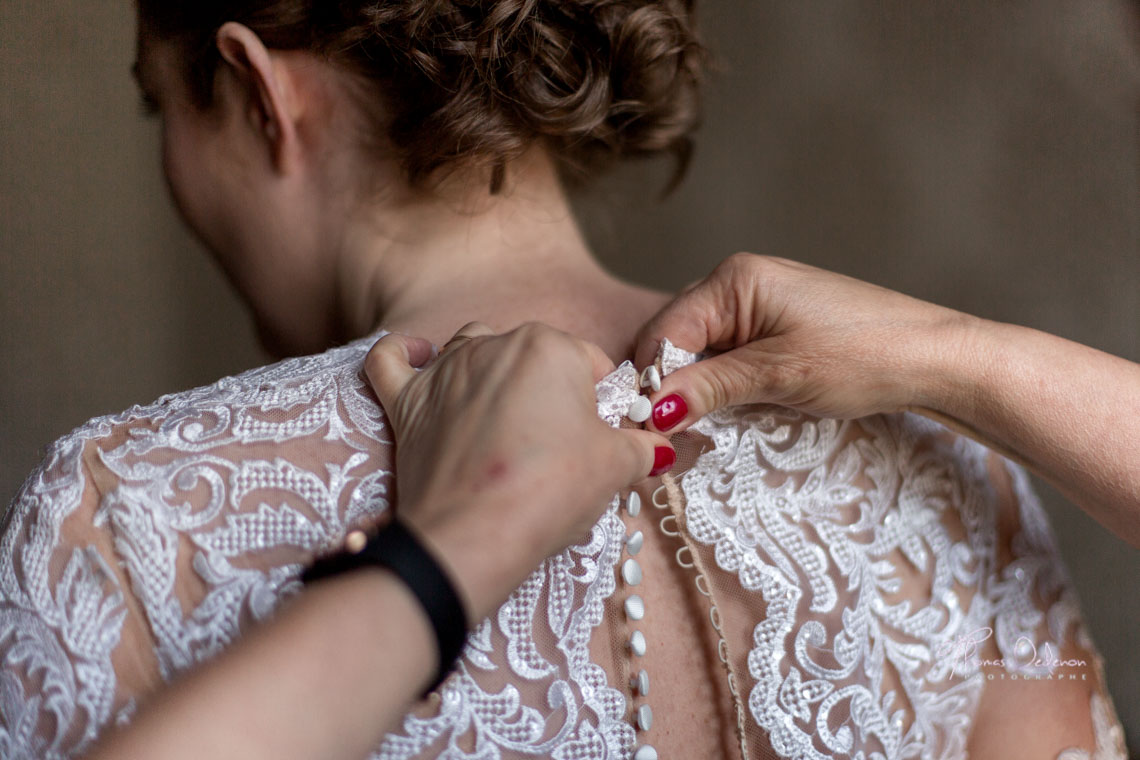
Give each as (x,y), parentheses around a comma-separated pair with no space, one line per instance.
(336,669)
(1068,412)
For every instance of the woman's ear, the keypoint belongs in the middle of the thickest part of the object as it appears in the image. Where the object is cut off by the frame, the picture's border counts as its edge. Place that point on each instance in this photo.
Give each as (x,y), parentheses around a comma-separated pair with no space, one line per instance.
(266,89)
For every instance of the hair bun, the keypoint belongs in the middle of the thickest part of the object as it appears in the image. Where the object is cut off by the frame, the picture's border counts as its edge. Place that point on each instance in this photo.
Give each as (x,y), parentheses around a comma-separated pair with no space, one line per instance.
(597,80)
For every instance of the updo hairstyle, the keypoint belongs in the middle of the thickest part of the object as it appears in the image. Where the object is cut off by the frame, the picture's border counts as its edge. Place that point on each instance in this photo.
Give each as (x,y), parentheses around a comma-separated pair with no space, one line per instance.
(473,83)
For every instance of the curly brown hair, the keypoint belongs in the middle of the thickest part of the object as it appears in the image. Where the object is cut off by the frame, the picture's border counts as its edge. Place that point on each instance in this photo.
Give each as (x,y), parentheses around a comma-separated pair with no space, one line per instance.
(475,82)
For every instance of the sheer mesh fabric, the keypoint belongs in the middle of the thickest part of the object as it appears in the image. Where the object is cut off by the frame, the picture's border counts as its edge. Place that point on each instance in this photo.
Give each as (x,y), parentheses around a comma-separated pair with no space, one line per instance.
(900,660)
(848,562)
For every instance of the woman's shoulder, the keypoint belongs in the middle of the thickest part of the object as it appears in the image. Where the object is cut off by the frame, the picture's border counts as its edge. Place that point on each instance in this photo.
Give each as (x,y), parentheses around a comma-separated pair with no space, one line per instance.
(269,407)
(284,389)
(168,526)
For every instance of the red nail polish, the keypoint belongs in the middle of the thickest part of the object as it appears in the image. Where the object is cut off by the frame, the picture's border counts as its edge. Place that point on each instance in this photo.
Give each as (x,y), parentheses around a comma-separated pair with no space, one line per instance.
(669,411)
(663,460)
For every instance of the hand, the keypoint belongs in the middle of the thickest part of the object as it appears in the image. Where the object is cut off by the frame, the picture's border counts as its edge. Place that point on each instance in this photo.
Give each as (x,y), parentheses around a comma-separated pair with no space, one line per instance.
(801,337)
(501,458)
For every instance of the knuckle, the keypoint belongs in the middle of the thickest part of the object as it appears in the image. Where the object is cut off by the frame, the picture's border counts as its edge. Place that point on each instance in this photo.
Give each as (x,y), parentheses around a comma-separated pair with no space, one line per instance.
(375,358)
(536,328)
(741,261)
(713,390)
(474,328)
(755,268)
(536,337)
(784,376)
(585,353)
(732,386)
(536,348)
(730,382)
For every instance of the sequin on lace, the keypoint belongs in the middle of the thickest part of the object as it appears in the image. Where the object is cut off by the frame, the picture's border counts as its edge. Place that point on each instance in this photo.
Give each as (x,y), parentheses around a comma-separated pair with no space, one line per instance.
(147,541)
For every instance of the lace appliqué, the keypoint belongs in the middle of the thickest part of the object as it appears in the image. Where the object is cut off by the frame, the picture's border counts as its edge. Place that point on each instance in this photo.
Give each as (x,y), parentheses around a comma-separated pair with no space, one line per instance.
(200,510)
(825,520)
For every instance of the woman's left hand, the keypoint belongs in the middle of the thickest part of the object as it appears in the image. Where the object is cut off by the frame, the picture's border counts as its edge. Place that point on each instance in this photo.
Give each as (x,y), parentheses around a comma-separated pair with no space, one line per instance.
(798,336)
(501,458)
(833,346)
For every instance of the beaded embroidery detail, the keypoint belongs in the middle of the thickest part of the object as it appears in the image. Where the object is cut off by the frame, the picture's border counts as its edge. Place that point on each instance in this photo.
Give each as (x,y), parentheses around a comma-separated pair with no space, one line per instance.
(192,517)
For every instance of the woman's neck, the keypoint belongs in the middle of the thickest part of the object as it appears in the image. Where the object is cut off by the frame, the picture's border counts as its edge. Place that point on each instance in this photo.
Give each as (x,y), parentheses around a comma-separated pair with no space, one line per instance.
(427,266)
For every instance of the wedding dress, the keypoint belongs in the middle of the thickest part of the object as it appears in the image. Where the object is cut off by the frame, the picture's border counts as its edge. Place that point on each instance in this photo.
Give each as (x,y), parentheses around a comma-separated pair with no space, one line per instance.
(816,588)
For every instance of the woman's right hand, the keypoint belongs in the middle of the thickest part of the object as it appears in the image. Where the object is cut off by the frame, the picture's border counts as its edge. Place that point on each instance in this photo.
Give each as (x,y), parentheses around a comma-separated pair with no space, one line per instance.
(802,337)
(501,458)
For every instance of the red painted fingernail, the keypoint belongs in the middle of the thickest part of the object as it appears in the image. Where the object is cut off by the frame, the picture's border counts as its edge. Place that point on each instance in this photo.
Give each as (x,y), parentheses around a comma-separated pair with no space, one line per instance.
(669,411)
(663,460)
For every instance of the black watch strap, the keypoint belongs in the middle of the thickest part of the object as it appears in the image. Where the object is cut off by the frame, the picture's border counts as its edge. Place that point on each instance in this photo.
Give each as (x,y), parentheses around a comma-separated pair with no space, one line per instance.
(397,549)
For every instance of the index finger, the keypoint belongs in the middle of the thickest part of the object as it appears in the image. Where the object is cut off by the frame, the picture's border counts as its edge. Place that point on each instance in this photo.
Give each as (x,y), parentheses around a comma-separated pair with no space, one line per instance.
(693,320)
(722,311)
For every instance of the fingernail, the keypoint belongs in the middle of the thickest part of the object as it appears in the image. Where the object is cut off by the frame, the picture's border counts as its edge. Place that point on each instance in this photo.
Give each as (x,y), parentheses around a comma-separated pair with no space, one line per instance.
(663,460)
(669,411)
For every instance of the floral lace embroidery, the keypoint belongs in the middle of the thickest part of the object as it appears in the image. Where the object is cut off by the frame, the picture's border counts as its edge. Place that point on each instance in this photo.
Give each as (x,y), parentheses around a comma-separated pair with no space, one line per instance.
(201,509)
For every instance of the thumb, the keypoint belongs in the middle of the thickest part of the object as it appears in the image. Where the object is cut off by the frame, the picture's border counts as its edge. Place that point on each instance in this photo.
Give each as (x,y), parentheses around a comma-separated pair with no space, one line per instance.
(740,376)
(642,453)
(391,363)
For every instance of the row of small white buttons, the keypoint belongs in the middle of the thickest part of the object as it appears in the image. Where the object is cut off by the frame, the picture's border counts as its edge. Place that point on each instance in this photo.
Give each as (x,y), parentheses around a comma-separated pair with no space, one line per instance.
(632,574)
(639,411)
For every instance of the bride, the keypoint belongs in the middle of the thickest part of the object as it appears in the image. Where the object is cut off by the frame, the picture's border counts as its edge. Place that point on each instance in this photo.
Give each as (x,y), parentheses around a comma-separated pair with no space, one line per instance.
(797,587)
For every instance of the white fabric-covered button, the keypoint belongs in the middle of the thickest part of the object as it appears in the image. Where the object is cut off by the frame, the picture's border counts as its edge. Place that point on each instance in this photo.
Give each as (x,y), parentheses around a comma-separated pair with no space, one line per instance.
(640,683)
(640,409)
(634,542)
(645,752)
(631,572)
(645,717)
(637,644)
(635,608)
(651,377)
(633,504)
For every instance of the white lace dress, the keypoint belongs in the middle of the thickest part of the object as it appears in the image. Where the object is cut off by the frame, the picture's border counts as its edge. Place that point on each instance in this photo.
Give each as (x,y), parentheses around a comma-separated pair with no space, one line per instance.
(864,589)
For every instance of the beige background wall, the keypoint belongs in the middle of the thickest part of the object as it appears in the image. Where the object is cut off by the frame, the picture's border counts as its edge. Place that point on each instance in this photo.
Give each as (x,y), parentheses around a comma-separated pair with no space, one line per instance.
(982,155)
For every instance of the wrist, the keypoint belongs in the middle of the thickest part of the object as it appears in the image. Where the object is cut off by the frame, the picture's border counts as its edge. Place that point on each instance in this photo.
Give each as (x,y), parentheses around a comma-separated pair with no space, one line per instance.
(476,539)
(953,358)
(399,550)
(474,556)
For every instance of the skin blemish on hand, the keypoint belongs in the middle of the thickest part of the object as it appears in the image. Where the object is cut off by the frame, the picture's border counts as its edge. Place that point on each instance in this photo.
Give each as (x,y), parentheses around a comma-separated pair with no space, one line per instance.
(496,470)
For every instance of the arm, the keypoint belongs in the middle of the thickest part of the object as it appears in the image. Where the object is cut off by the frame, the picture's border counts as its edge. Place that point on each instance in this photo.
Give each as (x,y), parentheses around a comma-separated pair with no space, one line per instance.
(301,687)
(833,346)
(1065,411)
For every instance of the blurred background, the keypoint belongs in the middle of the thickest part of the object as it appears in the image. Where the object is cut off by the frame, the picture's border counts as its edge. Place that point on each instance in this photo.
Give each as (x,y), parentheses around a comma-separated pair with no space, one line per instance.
(981,155)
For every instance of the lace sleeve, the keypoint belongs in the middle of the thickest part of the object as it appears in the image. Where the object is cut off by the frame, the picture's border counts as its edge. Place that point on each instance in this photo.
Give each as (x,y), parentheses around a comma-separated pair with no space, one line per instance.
(63,615)
(1044,678)
(148,541)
